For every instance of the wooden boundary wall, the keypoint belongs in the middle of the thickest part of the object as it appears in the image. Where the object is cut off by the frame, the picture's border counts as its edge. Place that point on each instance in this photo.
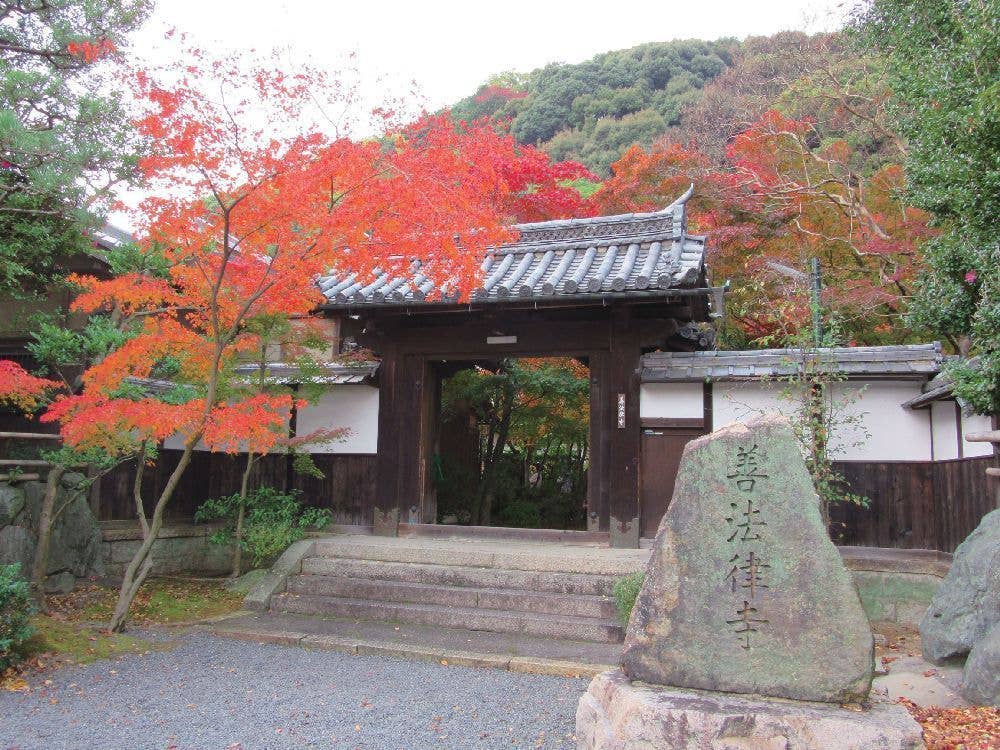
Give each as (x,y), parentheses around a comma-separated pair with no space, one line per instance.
(922,505)
(348,487)
(916,504)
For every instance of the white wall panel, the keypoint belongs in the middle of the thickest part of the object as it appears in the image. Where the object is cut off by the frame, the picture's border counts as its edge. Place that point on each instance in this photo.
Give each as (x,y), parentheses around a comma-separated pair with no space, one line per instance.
(976,423)
(351,406)
(944,430)
(894,433)
(740,401)
(672,400)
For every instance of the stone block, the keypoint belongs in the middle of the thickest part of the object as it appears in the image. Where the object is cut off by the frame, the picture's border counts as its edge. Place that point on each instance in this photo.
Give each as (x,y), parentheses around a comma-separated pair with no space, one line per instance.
(981,678)
(276,580)
(745,592)
(967,604)
(17,545)
(615,714)
(11,503)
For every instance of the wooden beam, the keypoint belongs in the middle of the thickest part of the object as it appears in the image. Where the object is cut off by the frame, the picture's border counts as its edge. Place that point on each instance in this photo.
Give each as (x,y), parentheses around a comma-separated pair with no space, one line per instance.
(597,468)
(385,511)
(624,431)
(991,436)
(31,435)
(20,477)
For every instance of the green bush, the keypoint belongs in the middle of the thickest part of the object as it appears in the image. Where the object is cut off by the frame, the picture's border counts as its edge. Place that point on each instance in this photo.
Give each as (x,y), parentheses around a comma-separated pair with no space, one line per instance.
(15,609)
(625,592)
(273,521)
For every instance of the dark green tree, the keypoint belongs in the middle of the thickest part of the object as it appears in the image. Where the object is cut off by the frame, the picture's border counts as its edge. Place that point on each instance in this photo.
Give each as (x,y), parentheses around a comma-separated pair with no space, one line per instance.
(944,66)
(65,137)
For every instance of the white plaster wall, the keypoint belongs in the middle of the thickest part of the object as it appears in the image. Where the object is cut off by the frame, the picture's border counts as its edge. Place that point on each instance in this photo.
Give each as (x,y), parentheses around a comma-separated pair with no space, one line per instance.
(944,431)
(976,423)
(894,433)
(740,401)
(351,406)
(673,400)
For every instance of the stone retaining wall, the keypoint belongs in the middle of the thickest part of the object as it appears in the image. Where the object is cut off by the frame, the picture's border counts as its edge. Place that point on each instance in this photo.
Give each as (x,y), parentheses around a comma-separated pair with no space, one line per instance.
(896,585)
(180,549)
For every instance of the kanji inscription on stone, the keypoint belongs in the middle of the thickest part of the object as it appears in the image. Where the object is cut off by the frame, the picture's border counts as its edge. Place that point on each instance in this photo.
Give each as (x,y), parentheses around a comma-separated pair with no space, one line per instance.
(745,592)
(747,573)
(747,470)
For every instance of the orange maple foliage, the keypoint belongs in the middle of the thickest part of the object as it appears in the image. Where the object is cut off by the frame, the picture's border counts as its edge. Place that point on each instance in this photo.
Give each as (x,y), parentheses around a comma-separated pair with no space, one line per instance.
(21,389)
(779,202)
(254,193)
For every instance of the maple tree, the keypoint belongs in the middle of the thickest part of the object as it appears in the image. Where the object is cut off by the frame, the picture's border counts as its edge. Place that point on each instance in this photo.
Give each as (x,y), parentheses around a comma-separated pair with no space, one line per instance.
(20,389)
(783,198)
(253,195)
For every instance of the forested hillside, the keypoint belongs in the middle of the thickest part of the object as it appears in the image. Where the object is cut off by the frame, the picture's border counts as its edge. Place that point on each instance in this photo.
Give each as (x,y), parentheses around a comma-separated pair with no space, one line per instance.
(789,142)
(591,112)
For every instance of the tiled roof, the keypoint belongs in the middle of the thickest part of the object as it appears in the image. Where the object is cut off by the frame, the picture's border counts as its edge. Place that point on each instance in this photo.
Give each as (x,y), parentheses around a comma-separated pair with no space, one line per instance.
(279,372)
(904,361)
(605,256)
(329,374)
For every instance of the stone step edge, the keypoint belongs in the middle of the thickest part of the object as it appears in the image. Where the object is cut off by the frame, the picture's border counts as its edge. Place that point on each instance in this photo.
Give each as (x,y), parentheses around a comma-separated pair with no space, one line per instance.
(608,578)
(417,586)
(541,561)
(444,657)
(507,614)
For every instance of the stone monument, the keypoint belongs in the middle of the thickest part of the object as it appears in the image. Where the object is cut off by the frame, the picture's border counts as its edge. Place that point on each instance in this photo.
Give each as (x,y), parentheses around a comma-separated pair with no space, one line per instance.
(748,631)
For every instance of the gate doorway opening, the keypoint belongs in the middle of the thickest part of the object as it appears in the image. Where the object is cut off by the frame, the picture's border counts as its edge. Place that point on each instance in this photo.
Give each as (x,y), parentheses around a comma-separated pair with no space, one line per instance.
(513,443)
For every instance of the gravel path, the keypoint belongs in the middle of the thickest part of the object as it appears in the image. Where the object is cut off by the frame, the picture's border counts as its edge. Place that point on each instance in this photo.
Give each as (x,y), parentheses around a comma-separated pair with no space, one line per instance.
(207,693)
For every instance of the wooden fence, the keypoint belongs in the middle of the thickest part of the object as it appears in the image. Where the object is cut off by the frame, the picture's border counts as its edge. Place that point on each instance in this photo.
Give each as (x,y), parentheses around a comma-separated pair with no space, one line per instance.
(921,505)
(347,488)
(916,504)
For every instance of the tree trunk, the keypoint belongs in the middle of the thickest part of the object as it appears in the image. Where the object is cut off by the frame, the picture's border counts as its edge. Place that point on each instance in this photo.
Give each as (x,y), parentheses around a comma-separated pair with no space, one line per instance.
(495,454)
(240,515)
(140,564)
(45,520)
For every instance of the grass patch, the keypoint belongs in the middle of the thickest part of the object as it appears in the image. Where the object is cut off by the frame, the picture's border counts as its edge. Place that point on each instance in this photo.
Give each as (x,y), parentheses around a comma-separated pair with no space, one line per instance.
(70,642)
(625,592)
(160,601)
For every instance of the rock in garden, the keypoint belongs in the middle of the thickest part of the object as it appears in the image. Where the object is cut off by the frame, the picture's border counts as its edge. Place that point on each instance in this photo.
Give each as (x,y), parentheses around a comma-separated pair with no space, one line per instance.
(967,603)
(17,545)
(11,503)
(615,714)
(745,592)
(981,678)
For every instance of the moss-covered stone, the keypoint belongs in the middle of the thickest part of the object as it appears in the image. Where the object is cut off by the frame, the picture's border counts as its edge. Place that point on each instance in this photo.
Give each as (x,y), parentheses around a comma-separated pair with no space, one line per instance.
(745,592)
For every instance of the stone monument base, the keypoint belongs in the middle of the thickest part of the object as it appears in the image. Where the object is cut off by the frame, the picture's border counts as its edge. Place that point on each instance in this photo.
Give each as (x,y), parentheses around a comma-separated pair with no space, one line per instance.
(615,714)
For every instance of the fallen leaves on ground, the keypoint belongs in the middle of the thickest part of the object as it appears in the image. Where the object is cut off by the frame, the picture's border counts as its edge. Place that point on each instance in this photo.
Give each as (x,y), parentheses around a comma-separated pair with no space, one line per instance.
(975,728)
(160,601)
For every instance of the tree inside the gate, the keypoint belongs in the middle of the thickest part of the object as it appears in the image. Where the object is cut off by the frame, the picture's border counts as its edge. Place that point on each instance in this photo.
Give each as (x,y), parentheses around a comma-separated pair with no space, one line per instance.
(514,444)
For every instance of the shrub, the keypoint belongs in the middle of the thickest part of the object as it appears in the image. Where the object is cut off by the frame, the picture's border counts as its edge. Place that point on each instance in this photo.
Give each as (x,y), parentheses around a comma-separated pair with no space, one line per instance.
(274,520)
(625,592)
(15,609)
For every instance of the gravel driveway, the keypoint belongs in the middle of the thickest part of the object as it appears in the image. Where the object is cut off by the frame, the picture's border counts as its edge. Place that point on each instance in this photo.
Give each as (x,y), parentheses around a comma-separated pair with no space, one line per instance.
(207,693)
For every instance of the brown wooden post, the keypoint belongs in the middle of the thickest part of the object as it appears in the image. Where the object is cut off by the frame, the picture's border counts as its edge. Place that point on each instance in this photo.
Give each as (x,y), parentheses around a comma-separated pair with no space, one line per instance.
(385,514)
(412,436)
(623,429)
(597,469)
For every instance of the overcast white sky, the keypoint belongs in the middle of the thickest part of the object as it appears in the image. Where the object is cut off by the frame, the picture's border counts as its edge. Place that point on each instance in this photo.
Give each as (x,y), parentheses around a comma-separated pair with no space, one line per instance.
(448,48)
(445,49)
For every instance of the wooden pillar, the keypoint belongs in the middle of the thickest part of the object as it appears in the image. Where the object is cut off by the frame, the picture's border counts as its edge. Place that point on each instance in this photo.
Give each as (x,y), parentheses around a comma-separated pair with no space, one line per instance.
(623,430)
(412,436)
(597,469)
(385,513)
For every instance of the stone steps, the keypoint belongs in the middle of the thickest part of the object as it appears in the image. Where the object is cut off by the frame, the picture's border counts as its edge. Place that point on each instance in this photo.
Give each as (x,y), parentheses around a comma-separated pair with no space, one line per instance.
(585,584)
(511,599)
(560,591)
(500,621)
(510,556)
